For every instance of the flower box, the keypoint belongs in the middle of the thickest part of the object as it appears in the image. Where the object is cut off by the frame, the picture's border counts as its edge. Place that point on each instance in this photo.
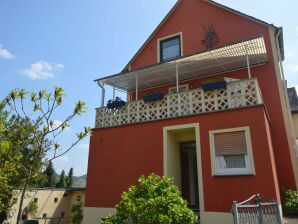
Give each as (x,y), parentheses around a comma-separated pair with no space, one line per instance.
(116,104)
(214,85)
(153,97)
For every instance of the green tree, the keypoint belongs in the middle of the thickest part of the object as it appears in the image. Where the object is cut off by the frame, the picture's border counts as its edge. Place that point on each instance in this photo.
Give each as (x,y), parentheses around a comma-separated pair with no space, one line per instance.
(76,211)
(50,175)
(62,180)
(69,178)
(8,168)
(39,140)
(155,200)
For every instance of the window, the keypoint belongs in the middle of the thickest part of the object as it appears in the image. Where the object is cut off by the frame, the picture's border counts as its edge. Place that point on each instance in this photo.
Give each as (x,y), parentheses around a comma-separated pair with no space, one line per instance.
(62,214)
(79,198)
(170,48)
(35,200)
(182,88)
(231,152)
(44,215)
(55,200)
(14,201)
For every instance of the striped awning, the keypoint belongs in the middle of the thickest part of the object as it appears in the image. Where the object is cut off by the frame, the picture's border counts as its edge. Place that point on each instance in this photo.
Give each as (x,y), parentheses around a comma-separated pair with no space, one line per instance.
(223,59)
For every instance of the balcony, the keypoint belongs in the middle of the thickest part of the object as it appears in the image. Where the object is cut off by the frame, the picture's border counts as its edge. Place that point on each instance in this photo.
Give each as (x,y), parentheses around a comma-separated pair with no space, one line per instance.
(238,94)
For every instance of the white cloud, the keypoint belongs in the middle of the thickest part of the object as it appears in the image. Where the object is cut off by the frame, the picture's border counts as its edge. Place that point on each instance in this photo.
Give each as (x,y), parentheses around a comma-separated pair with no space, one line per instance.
(62,159)
(42,70)
(5,53)
(84,146)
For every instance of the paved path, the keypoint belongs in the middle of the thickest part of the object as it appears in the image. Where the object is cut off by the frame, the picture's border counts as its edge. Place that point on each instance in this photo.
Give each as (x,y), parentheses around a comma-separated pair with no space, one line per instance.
(290,220)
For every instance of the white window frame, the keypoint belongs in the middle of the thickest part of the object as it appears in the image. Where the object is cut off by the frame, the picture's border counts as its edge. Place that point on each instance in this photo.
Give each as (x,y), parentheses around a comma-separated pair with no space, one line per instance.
(175,88)
(169,37)
(249,161)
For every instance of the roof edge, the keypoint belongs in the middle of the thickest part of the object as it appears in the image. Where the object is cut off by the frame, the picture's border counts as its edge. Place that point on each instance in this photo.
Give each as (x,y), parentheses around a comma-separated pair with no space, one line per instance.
(262,22)
(174,8)
(152,34)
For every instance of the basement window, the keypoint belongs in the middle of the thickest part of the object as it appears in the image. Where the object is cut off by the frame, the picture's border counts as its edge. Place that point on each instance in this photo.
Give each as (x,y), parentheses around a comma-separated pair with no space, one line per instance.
(231,152)
(170,48)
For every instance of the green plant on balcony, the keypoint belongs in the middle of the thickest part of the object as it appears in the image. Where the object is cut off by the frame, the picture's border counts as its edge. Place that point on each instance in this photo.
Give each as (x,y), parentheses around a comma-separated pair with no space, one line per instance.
(116,103)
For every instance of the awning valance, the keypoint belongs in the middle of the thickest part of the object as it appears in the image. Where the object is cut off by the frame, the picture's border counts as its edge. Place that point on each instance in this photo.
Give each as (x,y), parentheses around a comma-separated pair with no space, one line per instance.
(226,58)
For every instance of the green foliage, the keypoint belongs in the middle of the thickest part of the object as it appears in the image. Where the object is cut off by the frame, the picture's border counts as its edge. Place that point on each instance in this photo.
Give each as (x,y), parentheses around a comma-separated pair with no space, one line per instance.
(62,181)
(69,178)
(32,209)
(76,211)
(29,139)
(8,167)
(50,175)
(155,200)
(290,202)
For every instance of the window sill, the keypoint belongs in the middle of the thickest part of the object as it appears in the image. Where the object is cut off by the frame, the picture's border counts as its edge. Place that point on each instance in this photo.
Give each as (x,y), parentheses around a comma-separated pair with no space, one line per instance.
(233,174)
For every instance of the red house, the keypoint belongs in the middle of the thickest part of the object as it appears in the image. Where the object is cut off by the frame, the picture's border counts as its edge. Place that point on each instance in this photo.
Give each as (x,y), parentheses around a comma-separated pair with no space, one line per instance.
(207,105)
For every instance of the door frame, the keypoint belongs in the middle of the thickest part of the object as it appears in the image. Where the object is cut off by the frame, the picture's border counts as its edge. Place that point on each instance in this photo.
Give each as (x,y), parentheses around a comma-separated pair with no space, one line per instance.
(172,135)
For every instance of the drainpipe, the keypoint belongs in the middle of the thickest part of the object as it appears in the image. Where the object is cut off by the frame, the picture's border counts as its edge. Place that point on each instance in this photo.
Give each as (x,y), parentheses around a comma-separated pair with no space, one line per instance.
(277,34)
(103,91)
(248,63)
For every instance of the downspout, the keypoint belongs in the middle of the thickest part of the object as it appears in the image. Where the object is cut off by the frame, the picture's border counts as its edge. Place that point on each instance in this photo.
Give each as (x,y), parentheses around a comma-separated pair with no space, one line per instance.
(103,91)
(277,34)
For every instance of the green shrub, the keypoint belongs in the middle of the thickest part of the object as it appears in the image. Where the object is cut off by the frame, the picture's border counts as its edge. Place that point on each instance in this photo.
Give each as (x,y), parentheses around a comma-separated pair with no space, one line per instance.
(154,200)
(290,202)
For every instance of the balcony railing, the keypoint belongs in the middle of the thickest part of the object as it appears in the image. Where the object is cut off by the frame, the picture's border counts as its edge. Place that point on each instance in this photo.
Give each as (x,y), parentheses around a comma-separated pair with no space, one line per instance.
(238,94)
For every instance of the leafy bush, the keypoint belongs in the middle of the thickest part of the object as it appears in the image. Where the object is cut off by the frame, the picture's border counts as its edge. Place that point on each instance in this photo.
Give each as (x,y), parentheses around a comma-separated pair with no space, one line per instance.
(154,200)
(290,202)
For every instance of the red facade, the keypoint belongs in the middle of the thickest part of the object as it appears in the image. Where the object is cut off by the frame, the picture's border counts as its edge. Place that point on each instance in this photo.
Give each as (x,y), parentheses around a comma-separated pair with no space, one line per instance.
(119,155)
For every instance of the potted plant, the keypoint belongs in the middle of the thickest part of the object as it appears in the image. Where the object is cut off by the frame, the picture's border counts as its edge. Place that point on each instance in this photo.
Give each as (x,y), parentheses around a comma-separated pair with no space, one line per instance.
(153,97)
(117,103)
(211,84)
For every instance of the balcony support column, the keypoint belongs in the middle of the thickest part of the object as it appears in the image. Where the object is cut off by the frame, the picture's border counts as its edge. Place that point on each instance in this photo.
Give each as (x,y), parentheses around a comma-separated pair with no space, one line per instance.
(113,92)
(177,77)
(137,87)
(247,62)
(103,91)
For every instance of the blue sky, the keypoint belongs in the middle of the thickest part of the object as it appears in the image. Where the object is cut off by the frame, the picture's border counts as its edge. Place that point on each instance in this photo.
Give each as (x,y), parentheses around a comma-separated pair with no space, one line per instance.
(70,43)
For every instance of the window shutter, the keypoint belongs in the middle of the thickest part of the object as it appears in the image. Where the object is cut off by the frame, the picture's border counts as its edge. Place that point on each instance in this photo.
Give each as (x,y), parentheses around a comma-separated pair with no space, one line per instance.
(230,143)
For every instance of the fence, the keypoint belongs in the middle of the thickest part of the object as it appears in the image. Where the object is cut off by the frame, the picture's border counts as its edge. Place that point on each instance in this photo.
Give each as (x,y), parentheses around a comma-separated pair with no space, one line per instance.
(256,210)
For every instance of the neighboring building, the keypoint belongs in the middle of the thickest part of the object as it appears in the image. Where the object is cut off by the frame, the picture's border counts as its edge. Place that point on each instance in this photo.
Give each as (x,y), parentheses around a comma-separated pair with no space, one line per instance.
(293,99)
(220,145)
(53,205)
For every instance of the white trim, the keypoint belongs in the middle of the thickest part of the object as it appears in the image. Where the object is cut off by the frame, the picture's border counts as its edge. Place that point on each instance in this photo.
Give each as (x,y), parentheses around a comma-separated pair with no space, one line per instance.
(216,170)
(93,215)
(168,37)
(166,146)
(175,88)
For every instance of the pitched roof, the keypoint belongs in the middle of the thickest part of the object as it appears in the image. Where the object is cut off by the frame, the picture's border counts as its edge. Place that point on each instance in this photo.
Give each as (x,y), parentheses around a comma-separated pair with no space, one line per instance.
(293,98)
(210,2)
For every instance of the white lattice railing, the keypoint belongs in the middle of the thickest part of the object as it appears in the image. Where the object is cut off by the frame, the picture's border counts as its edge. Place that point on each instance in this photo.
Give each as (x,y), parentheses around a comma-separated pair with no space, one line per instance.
(241,93)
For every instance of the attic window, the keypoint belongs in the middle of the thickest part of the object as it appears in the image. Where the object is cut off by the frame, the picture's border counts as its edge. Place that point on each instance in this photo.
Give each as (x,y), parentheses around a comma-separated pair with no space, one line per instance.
(170,48)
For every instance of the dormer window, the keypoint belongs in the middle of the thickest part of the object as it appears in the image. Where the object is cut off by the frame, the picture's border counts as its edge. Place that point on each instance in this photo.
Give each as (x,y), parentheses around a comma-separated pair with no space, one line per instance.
(170,48)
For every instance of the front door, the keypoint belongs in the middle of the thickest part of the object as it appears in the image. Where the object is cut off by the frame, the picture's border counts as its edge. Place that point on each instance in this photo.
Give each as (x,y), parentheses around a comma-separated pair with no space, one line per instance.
(189,174)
